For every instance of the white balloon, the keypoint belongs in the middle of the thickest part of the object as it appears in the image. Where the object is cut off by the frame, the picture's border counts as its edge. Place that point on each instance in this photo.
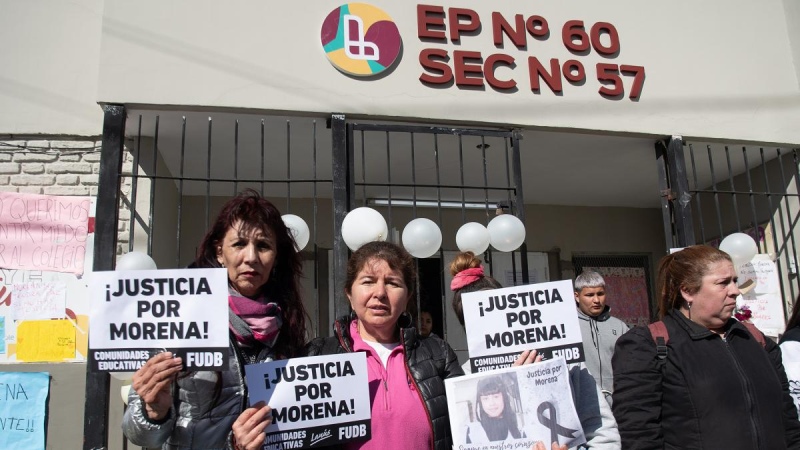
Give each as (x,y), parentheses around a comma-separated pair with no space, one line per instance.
(472,237)
(740,246)
(122,376)
(123,391)
(363,225)
(506,232)
(135,261)
(299,229)
(422,237)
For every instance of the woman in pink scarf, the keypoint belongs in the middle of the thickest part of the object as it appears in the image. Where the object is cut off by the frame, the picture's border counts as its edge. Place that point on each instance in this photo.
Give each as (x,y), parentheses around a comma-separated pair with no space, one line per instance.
(178,410)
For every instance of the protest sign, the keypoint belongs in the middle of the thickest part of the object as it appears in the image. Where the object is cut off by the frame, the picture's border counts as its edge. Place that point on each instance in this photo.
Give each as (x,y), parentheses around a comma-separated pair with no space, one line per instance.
(533,402)
(138,313)
(501,323)
(23,402)
(316,401)
(43,232)
(764,298)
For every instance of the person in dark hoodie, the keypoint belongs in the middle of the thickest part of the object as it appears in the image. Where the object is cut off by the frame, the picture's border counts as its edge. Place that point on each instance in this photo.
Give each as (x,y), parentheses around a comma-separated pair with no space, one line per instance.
(599,329)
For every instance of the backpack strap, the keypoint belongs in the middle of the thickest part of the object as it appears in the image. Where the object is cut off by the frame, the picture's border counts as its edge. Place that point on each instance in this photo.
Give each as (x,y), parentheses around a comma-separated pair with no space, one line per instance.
(658,330)
(756,333)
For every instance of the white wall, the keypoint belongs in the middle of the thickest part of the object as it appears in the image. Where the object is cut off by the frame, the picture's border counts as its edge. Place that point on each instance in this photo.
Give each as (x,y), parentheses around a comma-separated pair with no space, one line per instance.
(49,58)
(716,69)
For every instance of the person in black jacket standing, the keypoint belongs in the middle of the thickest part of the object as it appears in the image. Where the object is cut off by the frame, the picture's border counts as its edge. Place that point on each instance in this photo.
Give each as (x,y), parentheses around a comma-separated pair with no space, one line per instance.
(715,386)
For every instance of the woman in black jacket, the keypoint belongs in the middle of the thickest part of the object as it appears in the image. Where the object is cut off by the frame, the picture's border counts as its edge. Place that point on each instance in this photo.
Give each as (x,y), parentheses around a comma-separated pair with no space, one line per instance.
(715,386)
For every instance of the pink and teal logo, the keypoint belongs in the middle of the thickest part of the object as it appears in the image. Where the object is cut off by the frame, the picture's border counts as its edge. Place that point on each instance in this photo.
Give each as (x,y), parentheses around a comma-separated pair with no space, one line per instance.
(360,39)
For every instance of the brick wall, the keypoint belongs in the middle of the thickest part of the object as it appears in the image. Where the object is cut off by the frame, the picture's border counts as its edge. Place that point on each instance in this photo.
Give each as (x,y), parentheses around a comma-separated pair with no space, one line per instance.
(60,167)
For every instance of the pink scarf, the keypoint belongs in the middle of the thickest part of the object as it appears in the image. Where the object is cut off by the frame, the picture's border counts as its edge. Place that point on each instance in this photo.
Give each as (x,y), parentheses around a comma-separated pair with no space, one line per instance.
(466,277)
(260,321)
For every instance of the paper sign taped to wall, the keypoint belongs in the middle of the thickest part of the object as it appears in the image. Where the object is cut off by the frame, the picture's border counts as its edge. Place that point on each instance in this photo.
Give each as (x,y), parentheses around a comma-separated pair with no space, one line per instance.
(37,301)
(23,402)
(43,232)
(45,341)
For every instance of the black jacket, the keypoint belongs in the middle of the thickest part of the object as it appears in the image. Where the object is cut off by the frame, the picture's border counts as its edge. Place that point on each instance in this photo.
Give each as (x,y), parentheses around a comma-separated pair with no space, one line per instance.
(428,360)
(709,393)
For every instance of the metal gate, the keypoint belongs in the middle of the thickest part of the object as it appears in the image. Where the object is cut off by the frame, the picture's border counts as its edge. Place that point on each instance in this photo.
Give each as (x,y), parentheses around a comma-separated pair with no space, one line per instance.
(165,174)
(711,190)
(449,175)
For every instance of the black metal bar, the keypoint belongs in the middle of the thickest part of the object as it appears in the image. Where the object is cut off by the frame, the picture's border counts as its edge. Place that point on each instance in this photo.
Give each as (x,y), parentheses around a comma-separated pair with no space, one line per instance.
(341,142)
(95,419)
(315,210)
(135,184)
(665,192)
(230,180)
(180,191)
(363,169)
(153,184)
(716,192)
(432,130)
(751,197)
(520,206)
(389,186)
(461,170)
(734,200)
(236,157)
(682,206)
(442,263)
(413,181)
(288,166)
(699,199)
(510,204)
(263,160)
(208,176)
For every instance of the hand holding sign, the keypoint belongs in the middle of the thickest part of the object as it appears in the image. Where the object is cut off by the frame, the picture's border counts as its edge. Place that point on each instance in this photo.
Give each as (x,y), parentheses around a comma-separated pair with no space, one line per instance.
(153,383)
(248,430)
(540,446)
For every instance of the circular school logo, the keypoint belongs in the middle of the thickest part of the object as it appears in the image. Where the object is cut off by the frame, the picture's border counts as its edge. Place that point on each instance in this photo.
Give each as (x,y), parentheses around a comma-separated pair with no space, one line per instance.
(360,39)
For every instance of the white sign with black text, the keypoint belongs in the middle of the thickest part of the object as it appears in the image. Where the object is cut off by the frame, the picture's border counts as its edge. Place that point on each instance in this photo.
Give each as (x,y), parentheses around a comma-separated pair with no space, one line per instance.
(501,323)
(137,313)
(513,408)
(316,401)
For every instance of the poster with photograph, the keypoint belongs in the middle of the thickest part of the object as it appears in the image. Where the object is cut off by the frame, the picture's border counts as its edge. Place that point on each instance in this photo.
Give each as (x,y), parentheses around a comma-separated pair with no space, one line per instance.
(138,313)
(502,323)
(513,408)
(316,401)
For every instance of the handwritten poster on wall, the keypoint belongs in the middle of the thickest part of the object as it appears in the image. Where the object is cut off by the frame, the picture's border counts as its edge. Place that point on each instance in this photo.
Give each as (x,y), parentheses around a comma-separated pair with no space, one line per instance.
(49,299)
(43,232)
(34,301)
(764,298)
(23,401)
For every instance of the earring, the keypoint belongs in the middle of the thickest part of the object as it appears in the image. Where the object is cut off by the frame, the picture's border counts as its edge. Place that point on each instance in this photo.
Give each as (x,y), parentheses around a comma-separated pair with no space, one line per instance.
(689,306)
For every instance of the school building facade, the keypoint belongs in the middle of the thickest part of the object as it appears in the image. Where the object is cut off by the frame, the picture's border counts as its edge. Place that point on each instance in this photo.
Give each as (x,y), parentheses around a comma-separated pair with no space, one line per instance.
(614,130)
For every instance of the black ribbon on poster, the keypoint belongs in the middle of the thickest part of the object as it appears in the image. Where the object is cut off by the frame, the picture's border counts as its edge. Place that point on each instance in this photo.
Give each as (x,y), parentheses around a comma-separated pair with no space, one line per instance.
(550,421)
